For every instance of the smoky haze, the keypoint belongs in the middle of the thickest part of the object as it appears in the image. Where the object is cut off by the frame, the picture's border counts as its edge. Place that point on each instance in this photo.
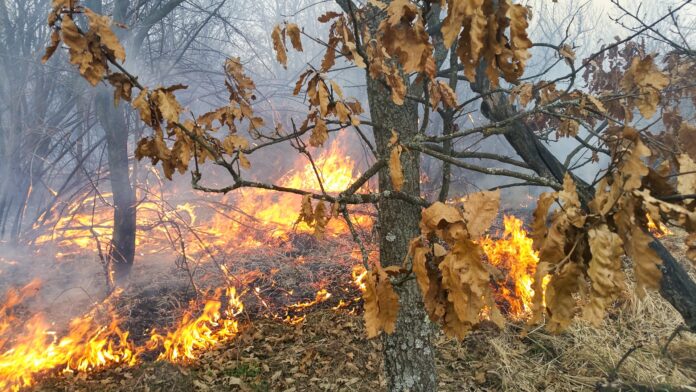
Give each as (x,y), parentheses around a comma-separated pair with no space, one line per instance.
(54,149)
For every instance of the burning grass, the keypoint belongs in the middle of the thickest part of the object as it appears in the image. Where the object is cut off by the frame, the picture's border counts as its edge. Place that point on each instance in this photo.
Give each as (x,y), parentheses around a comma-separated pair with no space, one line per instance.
(329,351)
(305,332)
(256,302)
(31,347)
(278,283)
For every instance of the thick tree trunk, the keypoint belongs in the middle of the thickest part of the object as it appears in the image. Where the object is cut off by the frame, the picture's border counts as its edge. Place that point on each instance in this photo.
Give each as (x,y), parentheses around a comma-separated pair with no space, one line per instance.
(676,285)
(408,353)
(122,250)
(409,356)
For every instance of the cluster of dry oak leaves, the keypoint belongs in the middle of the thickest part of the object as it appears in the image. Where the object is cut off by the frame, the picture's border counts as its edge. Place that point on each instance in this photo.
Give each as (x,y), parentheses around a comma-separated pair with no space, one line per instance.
(580,248)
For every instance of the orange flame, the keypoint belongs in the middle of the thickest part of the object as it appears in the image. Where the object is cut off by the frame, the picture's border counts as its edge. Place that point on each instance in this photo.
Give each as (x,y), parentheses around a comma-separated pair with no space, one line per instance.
(87,346)
(258,212)
(322,295)
(359,274)
(35,349)
(336,171)
(209,329)
(514,255)
(660,231)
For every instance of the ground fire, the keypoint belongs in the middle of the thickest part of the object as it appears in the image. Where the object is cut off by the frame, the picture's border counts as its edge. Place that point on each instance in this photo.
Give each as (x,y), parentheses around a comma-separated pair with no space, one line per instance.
(87,345)
(395,195)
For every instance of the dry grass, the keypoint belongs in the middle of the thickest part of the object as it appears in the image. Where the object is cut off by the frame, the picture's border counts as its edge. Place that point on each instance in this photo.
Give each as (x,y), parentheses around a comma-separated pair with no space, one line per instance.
(329,351)
(578,359)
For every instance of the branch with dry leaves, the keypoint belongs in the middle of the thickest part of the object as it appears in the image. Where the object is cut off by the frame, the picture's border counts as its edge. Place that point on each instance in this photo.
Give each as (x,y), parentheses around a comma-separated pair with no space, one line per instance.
(580,246)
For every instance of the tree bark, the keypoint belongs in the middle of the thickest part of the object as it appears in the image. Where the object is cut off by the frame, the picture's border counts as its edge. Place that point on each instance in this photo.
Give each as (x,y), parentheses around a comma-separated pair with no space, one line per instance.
(676,285)
(122,250)
(409,356)
(408,353)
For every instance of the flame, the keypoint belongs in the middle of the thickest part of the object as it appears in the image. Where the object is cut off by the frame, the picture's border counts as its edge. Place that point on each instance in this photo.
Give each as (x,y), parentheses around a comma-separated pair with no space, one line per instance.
(293,319)
(660,231)
(514,255)
(322,295)
(204,227)
(87,346)
(207,330)
(337,172)
(36,348)
(248,219)
(359,275)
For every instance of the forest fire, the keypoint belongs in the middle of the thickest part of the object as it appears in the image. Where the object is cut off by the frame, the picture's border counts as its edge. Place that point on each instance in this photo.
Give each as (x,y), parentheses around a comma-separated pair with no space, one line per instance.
(181,201)
(87,346)
(257,214)
(514,255)
(256,218)
(36,348)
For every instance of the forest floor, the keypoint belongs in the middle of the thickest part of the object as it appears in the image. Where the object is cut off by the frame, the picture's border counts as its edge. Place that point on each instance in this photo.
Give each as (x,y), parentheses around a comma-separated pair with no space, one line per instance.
(328,351)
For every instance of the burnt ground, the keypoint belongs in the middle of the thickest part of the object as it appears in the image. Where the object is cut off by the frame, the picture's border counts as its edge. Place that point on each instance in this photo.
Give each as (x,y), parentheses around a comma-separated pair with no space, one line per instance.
(328,350)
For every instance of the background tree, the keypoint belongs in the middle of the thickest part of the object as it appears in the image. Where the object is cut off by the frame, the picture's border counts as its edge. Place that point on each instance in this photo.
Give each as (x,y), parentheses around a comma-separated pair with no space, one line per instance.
(57,145)
(29,115)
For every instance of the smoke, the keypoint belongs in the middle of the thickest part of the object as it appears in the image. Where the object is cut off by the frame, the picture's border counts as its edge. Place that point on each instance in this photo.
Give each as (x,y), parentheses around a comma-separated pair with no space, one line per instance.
(72,169)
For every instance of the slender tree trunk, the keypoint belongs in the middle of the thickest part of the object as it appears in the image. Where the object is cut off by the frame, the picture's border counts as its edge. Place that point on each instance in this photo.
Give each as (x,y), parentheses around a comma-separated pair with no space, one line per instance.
(38,141)
(408,353)
(112,119)
(122,250)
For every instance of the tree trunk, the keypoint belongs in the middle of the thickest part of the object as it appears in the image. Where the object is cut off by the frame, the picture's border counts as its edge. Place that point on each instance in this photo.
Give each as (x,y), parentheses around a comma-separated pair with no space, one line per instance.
(409,356)
(112,119)
(122,250)
(676,285)
(408,353)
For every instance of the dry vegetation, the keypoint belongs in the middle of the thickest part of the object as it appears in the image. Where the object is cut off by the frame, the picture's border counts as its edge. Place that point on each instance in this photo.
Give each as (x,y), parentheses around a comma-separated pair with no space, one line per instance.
(274,356)
(245,308)
(329,350)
